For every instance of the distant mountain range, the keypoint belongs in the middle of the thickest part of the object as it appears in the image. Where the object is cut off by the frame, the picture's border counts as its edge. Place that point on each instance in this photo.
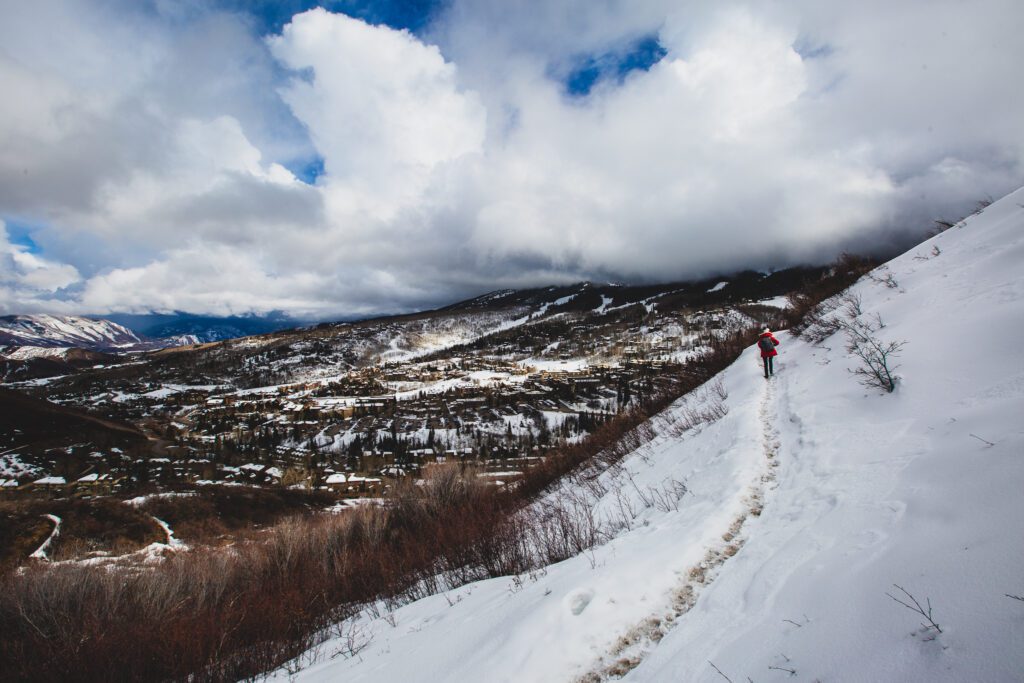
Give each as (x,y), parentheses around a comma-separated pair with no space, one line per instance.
(127,332)
(27,337)
(37,346)
(205,328)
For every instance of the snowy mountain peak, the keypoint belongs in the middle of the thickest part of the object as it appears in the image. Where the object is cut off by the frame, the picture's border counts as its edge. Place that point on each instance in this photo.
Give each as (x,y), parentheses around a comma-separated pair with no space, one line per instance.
(52,330)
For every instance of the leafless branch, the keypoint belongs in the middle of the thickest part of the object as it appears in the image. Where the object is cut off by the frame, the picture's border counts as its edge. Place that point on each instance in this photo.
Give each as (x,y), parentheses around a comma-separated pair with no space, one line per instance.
(985,441)
(719,671)
(916,607)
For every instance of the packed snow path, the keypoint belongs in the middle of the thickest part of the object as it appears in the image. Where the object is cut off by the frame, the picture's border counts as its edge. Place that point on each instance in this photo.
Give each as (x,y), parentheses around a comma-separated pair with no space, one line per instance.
(920,488)
(633,645)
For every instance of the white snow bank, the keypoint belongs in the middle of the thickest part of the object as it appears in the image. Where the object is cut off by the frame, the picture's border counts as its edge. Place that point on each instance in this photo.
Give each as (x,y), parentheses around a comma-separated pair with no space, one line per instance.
(142,500)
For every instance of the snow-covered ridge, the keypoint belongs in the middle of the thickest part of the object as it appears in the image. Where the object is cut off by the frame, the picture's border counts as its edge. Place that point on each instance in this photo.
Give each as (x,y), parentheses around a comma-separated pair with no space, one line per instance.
(52,330)
(50,336)
(805,506)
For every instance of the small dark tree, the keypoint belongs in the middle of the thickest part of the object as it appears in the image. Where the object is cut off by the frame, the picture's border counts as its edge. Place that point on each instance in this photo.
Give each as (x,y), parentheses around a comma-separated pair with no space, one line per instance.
(876,356)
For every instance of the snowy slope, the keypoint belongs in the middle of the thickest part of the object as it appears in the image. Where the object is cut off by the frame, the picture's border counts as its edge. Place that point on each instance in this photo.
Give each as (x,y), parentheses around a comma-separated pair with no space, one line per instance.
(30,352)
(52,330)
(805,504)
(876,490)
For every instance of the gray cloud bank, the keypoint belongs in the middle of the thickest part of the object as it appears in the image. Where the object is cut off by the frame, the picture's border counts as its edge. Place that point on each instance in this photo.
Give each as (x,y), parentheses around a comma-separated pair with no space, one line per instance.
(148,147)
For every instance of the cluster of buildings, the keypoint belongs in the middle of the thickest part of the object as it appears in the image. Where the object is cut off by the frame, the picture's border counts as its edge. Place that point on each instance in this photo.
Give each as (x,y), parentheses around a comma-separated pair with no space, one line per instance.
(499,408)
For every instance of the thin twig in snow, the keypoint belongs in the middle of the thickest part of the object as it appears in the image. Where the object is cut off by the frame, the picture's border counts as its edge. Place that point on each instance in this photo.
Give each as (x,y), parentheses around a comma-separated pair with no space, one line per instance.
(916,607)
(986,441)
(719,671)
(792,672)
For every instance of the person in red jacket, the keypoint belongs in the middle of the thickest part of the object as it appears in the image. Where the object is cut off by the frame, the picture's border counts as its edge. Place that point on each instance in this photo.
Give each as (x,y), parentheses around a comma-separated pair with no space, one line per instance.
(767,343)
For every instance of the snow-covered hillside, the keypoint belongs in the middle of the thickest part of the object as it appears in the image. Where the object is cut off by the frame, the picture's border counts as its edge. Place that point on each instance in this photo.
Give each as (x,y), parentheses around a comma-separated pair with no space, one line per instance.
(54,337)
(53,330)
(805,505)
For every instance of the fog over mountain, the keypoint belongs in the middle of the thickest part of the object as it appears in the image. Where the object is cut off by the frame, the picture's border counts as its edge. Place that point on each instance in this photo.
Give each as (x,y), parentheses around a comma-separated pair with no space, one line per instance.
(224,158)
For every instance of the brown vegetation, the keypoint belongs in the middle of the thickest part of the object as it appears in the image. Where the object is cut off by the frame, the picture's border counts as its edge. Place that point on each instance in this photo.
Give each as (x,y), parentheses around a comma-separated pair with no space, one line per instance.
(98,525)
(807,305)
(21,532)
(207,514)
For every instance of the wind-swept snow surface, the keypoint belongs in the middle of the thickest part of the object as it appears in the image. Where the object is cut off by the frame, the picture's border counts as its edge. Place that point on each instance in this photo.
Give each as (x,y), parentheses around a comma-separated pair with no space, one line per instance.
(762,545)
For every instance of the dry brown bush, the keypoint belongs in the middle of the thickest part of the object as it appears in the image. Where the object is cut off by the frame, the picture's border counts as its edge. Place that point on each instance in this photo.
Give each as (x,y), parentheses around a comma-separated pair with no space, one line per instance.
(809,305)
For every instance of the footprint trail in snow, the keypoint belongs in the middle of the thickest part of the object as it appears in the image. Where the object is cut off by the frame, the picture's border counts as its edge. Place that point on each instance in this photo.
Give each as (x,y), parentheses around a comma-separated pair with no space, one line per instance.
(639,640)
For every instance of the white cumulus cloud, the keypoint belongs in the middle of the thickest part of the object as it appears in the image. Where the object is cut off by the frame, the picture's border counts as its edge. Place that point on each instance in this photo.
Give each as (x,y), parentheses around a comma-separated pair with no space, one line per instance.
(150,146)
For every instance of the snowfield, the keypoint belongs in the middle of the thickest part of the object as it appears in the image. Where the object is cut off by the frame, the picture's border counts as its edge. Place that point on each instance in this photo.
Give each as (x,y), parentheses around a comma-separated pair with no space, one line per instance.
(762,545)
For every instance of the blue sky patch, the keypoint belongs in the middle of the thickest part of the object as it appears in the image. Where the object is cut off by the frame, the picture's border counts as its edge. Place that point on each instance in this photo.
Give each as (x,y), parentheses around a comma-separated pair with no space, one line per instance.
(639,55)
(272,15)
(309,171)
(20,233)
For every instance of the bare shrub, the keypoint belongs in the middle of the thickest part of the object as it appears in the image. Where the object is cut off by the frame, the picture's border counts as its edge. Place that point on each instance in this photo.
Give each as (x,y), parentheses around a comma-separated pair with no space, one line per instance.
(876,356)
(704,406)
(819,325)
(831,316)
(668,495)
(845,314)
(944,225)
(805,306)
(911,603)
(883,277)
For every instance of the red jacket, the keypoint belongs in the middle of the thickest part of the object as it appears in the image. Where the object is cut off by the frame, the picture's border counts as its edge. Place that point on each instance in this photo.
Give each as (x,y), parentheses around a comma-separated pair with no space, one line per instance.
(773,352)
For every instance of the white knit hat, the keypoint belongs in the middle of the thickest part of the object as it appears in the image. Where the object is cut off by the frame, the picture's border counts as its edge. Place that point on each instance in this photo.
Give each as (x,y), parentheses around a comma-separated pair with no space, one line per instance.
(766,331)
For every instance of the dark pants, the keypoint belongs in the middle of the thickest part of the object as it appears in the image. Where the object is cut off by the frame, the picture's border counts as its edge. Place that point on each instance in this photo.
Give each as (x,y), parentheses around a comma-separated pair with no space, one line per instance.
(768,365)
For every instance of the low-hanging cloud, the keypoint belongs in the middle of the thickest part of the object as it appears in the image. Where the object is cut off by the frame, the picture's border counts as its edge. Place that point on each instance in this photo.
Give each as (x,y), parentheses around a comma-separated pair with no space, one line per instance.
(455,161)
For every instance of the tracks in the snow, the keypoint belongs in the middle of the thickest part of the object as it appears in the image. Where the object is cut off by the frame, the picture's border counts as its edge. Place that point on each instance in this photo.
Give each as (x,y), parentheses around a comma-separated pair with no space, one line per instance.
(638,641)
